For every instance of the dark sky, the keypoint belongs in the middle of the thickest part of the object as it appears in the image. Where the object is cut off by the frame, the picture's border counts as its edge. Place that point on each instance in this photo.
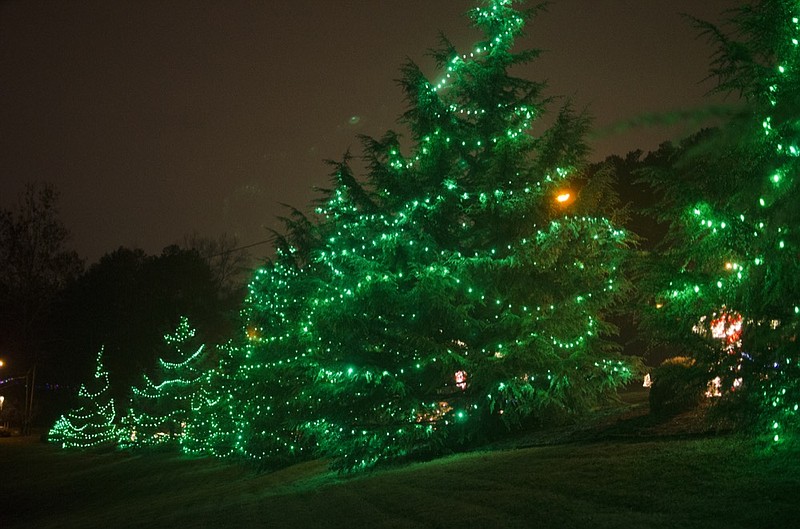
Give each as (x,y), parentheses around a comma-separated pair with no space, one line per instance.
(156,119)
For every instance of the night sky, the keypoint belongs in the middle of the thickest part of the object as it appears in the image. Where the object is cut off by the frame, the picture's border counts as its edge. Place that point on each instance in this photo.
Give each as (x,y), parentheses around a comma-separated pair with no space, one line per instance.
(156,119)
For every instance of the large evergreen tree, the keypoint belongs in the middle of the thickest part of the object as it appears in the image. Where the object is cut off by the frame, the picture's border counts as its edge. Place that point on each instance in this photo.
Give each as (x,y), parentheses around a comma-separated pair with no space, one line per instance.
(470,285)
(725,284)
(459,287)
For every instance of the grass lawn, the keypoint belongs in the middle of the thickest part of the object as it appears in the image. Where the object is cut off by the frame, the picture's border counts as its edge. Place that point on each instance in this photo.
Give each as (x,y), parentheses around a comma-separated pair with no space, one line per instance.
(621,472)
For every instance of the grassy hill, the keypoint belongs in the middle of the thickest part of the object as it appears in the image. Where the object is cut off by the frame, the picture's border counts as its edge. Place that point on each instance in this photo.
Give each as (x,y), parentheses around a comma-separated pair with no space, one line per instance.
(619,468)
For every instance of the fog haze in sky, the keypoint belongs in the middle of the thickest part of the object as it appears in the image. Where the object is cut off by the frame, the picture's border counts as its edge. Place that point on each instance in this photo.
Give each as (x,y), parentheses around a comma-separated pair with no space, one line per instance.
(156,119)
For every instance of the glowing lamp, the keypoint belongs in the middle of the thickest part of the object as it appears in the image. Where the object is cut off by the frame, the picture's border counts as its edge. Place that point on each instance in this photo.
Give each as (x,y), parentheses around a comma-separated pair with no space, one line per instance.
(564,197)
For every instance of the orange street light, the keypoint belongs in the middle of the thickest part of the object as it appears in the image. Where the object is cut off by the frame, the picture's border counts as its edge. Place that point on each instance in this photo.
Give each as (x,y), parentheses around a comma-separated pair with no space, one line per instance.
(564,197)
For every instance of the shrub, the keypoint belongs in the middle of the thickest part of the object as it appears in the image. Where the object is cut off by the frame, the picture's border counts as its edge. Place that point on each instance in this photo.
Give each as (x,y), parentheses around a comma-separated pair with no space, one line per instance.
(678,385)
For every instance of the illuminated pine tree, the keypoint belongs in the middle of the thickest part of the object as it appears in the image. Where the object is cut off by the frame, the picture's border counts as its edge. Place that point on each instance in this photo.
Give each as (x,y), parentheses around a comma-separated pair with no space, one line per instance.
(463,285)
(724,285)
(161,408)
(91,423)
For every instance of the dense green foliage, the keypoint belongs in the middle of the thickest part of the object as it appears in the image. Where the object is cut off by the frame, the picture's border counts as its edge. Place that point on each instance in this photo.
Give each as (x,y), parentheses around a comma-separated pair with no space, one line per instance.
(724,286)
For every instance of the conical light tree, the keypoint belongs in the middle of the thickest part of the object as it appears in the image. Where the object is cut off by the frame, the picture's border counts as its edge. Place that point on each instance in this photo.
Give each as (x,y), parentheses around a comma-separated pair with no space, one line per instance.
(453,290)
(91,423)
(161,408)
(725,286)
